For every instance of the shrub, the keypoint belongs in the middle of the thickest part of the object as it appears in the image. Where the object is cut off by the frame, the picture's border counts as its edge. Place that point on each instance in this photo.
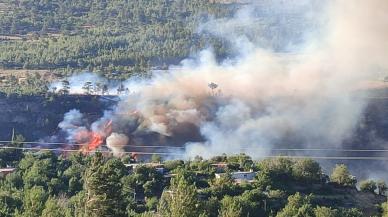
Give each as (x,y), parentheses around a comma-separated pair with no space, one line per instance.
(368,186)
(342,176)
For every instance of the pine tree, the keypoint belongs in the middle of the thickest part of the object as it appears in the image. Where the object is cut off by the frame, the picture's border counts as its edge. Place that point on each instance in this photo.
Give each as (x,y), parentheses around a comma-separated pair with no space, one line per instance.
(53,209)
(34,201)
(65,87)
(297,205)
(230,207)
(88,87)
(103,188)
(180,200)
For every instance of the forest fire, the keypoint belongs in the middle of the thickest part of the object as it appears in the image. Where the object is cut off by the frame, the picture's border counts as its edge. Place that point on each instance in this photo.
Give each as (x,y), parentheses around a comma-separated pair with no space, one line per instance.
(258,100)
(95,141)
(91,140)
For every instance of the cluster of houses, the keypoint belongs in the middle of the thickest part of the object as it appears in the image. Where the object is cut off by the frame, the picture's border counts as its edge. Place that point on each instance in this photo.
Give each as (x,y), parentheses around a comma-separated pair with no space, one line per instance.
(238,176)
(220,168)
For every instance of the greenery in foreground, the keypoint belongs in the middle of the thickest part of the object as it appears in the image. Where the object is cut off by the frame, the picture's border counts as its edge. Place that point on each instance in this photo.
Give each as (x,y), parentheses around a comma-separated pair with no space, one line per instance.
(46,184)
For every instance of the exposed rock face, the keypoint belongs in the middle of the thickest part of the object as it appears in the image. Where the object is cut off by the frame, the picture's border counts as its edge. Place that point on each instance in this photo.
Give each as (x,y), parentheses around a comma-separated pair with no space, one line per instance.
(36,116)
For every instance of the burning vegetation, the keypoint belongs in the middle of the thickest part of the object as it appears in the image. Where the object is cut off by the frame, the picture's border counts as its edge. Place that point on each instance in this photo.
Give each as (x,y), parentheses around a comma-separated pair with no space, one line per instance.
(262,98)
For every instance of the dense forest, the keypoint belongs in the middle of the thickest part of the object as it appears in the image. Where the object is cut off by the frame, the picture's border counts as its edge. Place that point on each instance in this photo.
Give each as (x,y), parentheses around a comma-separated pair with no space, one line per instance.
(114,38)
(52,185)
(119,38)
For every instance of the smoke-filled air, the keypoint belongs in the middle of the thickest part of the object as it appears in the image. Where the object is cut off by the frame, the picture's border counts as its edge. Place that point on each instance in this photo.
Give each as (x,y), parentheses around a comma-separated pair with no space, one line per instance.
(300,92)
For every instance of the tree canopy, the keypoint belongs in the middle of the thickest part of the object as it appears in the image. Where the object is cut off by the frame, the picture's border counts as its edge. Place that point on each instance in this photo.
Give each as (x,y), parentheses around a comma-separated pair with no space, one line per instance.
(47,184)
(115,38)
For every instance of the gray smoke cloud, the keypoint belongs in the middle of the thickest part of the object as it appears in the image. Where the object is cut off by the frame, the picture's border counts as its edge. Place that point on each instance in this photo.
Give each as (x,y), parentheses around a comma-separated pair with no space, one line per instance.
(117,142)
(73,124)
(274,25)
(266,97)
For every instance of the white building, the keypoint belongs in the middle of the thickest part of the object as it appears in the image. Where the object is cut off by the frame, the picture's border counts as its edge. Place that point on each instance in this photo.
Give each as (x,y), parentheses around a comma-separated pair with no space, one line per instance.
(6,171)
(240,176)
(158,167)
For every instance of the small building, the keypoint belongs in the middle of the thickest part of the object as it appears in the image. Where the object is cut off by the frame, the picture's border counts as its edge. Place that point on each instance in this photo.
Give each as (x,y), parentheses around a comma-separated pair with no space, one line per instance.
(219,167)
(158,167)
(161,170)
(169,176)
(240,176)
(6,171)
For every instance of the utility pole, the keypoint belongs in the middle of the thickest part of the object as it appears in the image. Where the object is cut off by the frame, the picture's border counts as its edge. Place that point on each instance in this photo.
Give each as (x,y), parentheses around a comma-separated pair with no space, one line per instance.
(13,136)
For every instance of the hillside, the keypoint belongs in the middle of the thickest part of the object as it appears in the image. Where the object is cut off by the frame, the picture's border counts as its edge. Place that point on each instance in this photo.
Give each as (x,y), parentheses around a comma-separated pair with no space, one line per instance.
(36,117)
(118,39)
(193,108)
(125,37)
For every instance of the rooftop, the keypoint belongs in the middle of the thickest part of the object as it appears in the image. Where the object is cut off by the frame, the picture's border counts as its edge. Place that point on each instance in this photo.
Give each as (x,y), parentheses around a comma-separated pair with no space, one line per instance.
(7,169)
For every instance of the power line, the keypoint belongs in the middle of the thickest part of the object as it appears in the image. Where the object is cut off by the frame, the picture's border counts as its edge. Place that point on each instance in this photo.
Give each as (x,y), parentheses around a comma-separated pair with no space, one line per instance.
(181,154)
(85,144)
(42,143)
(243,148)
(86,151)
(329,149)
(330,158)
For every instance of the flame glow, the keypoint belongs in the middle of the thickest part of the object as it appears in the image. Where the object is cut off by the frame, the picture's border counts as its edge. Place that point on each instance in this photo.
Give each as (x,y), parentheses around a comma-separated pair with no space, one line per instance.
(95,142)
(92,140)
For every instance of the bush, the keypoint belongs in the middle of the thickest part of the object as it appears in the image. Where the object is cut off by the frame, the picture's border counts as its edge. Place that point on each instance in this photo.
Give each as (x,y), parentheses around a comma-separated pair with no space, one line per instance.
(173,164)
(325,212)
(277,172)
(297,205)
(381,187)
(350,213)
(231,206)
(152,203)
(368,186)
(342,176)
(307,170)
(384,208)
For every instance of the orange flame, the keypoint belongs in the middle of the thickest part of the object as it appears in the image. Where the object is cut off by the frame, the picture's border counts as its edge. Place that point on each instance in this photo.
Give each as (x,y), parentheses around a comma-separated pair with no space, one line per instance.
(93,140)
(134,156)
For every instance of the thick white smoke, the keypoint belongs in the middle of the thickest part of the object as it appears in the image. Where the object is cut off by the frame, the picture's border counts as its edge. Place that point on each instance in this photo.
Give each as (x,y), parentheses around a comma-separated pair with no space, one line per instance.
(73,124)
(273,25)
(117,142)
(264,99)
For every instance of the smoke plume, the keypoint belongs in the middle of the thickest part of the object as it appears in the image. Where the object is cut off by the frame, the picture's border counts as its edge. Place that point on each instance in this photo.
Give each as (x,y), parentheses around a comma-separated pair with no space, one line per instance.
(73,124)
(117,142)
(265,97)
